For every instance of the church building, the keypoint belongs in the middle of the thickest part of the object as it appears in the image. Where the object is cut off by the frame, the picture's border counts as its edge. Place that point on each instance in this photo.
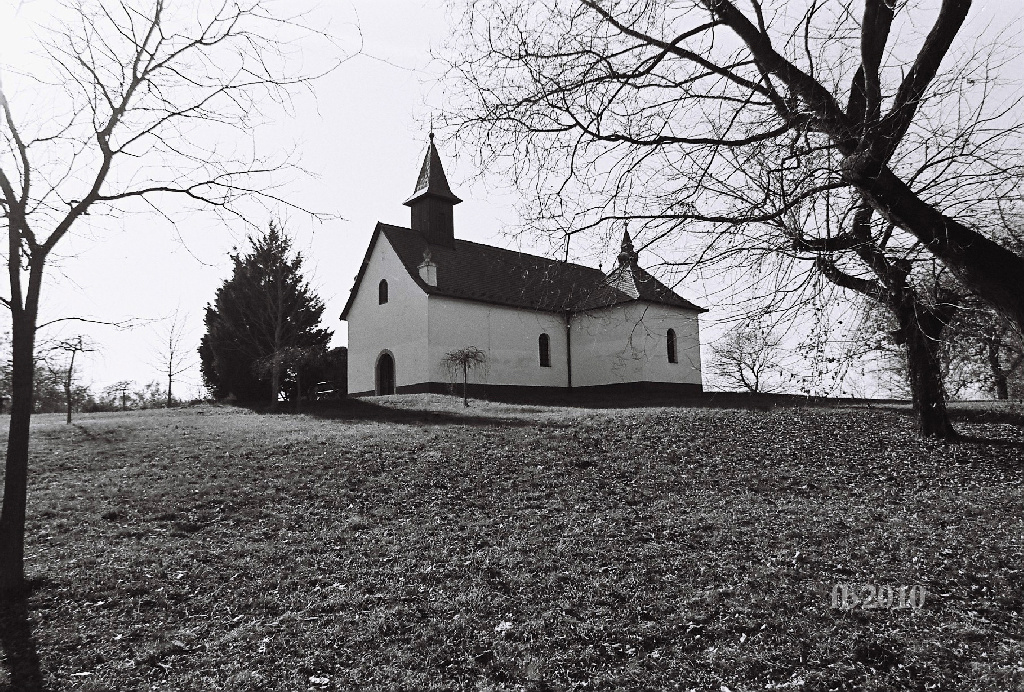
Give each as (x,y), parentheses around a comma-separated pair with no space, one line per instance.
(543,325)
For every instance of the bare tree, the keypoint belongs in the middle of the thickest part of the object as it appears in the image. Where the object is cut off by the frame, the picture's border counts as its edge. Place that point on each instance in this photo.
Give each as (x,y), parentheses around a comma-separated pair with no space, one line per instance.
(121,388)
(922,304)
(464,360)
(1004,355)
(68,348)
(837,237)
(173,357)
(769,132)
(746,355)
(707,77)
(140,96)
(986,351)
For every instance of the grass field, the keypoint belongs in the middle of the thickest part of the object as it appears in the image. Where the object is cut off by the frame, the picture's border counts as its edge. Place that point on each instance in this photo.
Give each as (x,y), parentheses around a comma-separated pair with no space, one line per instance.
(416,545)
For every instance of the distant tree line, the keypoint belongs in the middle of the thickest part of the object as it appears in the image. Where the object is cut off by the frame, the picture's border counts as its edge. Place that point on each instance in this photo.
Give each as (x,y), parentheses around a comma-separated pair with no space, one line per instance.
(979,354)
(55,386)
(263,343)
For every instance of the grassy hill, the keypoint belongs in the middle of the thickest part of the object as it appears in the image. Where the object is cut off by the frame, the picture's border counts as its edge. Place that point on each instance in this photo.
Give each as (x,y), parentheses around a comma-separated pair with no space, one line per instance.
(413,544)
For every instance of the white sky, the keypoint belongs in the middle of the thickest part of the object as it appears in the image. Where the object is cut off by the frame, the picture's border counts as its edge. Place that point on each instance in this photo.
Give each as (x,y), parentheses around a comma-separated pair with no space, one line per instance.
(364,135)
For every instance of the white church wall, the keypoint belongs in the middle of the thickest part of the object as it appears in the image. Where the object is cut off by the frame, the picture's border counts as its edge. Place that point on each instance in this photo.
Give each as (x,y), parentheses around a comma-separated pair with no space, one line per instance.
(628,343)
(399,326)
(508,336)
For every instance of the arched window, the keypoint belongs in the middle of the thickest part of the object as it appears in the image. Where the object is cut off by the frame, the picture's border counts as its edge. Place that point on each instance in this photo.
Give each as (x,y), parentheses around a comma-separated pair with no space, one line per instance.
(382,292)
(670,346)
(544,344)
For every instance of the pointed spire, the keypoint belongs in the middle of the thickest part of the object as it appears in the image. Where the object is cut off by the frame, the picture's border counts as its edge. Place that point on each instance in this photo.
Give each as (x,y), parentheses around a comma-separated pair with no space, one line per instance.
(627,272)
(627,254)
(432,180)
(432,204)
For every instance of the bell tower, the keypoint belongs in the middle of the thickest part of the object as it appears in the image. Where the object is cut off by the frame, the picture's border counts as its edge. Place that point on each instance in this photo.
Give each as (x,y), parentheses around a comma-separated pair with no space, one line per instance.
(432,204)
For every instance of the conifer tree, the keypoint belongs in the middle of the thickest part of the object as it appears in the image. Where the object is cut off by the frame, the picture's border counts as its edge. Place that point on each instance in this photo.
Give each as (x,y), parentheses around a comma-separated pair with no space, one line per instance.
(265,309)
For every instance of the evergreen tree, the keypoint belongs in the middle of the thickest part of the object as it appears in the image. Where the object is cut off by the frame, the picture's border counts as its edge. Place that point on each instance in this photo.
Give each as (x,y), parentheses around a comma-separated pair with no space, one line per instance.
(265,309)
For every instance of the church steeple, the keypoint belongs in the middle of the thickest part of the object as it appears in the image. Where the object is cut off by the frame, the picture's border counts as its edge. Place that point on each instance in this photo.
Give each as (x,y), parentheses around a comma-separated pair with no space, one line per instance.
(627,273)
(627,254)
(432,203)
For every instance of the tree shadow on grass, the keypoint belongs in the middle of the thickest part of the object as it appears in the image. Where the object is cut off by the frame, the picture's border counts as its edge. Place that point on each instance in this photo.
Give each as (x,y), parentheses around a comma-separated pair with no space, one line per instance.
(987,412)
(747,401)
(994,441)
(972,413)
(361,410)
(489,411)
(18,644)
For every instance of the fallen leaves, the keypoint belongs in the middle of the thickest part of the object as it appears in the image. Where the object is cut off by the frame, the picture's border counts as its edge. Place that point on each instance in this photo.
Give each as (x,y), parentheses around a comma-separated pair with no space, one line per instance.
(522,548)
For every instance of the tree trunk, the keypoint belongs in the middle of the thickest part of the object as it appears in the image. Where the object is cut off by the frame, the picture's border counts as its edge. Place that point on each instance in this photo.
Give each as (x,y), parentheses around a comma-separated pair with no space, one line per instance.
(298,389)
(275,383)
(921,332)
(12,517)
(277,354)
(465,385)
(67,384)
(170,381)
(986,268)
(1002,387)
(999,379)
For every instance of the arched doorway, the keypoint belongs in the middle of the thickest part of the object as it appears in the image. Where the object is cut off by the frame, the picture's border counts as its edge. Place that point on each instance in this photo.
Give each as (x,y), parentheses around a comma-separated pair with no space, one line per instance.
(385,374)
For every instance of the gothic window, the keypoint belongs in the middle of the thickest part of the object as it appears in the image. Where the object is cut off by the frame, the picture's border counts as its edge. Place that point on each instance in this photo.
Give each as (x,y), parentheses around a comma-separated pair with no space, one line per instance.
(544,343)
(670,344)
(382,292)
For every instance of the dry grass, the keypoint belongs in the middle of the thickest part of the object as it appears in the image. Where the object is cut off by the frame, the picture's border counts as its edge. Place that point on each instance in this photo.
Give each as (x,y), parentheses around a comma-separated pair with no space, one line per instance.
(503,547)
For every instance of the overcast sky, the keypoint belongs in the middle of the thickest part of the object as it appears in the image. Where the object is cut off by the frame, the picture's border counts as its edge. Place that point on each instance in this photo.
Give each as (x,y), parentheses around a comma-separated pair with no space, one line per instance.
(363,135)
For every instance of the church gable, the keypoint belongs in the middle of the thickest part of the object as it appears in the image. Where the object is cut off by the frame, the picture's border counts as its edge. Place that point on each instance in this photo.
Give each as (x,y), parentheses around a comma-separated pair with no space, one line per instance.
(376,250)
(387,315)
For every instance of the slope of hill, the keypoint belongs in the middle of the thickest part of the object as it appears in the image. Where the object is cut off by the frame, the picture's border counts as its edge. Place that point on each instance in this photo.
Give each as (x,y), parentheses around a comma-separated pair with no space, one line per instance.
(420,545)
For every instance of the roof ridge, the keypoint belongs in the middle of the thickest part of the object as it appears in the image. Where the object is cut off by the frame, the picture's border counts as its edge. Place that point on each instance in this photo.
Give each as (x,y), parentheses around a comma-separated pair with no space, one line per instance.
(508,250)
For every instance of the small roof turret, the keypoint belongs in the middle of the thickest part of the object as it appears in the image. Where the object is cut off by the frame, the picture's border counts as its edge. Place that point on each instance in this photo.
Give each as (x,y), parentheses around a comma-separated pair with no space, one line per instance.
(432,204)
(627,254)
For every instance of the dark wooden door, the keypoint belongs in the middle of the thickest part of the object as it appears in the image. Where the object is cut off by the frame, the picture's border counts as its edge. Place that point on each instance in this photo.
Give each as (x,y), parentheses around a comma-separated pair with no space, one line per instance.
(385,374)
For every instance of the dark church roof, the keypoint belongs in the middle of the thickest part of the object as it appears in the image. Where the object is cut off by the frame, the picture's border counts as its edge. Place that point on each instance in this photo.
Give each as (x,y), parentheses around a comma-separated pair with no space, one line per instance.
(487,274)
